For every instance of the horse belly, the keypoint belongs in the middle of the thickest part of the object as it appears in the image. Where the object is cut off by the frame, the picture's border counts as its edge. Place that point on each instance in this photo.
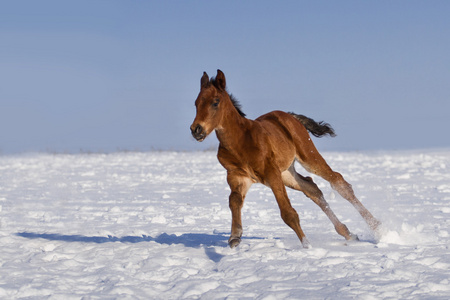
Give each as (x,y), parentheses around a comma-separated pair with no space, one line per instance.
(282,145)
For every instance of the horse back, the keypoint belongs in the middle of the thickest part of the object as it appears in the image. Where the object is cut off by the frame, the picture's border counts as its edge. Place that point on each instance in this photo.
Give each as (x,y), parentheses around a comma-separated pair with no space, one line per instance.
(284,134)
(286,131)
(283,127)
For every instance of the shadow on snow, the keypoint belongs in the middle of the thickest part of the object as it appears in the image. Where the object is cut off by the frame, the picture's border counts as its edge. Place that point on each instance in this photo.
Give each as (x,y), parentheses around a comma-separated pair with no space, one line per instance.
(192,240)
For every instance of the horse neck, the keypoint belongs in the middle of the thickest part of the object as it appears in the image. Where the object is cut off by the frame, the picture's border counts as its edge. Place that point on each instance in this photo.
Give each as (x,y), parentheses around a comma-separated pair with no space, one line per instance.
(232,128)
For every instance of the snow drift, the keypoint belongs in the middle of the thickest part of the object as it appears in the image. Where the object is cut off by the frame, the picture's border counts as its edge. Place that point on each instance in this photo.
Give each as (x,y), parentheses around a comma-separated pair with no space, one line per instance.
(155,226)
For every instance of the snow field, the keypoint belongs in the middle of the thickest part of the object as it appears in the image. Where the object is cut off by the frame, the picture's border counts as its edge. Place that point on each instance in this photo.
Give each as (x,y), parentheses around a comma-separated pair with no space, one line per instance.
(155,226)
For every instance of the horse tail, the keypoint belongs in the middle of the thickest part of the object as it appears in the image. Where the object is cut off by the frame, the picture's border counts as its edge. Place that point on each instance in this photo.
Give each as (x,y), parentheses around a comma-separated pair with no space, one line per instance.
(317,129)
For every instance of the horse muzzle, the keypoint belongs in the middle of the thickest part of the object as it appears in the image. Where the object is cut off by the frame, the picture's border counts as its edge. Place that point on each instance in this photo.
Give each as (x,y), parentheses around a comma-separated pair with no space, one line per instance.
(198,132)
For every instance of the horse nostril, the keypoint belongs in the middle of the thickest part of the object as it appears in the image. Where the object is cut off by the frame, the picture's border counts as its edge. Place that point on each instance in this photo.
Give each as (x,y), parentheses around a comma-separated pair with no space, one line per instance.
(198,133)
(198,129)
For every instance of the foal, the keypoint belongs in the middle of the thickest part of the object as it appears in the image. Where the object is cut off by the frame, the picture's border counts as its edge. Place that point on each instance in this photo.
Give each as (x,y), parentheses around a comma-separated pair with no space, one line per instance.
(264,151)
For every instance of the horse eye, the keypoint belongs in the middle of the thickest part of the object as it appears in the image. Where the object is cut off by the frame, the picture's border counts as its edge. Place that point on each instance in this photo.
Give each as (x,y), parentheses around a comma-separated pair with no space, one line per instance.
(216,102)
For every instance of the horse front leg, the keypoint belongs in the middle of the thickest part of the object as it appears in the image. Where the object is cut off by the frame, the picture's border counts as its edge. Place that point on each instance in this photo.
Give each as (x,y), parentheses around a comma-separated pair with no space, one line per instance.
(239,186)
(306,185)
(288,213)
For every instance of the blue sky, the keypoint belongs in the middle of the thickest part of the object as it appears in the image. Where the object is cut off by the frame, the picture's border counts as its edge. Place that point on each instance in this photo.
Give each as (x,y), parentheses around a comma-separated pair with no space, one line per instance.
(123,75)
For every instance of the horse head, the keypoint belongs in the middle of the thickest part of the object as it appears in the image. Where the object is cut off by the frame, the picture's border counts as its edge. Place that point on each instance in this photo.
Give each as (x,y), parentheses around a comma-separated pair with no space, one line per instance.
(211,105)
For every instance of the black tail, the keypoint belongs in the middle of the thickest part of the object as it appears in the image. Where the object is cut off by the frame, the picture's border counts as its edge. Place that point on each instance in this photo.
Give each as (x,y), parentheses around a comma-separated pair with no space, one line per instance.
(317,129)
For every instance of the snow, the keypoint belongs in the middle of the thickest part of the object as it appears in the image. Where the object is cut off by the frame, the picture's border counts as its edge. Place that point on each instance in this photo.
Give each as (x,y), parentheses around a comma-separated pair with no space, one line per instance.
(155,226)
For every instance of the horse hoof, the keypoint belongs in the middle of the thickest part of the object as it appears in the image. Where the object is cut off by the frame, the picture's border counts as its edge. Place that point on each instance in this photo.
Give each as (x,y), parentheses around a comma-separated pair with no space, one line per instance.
(306,244)
(353,237)
(234,242)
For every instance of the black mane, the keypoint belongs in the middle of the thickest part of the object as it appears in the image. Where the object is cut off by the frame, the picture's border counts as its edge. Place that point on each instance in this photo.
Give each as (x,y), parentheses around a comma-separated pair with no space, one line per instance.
(236,104)
(233,99)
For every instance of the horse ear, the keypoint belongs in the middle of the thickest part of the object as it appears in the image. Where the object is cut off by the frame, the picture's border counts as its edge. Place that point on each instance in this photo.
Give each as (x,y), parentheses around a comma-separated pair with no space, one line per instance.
(204,81)
(220,79)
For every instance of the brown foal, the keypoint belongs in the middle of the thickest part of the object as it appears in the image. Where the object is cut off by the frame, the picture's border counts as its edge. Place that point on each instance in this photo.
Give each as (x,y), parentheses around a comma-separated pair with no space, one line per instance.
(264,151)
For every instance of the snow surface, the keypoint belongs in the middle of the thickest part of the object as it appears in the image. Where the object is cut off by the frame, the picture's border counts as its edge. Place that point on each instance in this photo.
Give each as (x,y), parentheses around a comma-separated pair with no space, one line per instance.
(155,226)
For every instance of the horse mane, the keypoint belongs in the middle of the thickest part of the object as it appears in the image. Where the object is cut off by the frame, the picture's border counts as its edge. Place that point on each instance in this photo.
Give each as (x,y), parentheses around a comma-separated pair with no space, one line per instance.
(233,99)
(236,104)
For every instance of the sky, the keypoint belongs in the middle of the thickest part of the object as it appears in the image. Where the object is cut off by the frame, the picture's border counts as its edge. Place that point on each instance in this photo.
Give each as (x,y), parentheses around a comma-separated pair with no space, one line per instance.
(103,76)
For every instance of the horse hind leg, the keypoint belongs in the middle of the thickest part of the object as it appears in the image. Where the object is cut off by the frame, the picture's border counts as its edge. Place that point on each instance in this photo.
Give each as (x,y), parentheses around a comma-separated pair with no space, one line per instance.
(314,163)
(306,185)
(345,189)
